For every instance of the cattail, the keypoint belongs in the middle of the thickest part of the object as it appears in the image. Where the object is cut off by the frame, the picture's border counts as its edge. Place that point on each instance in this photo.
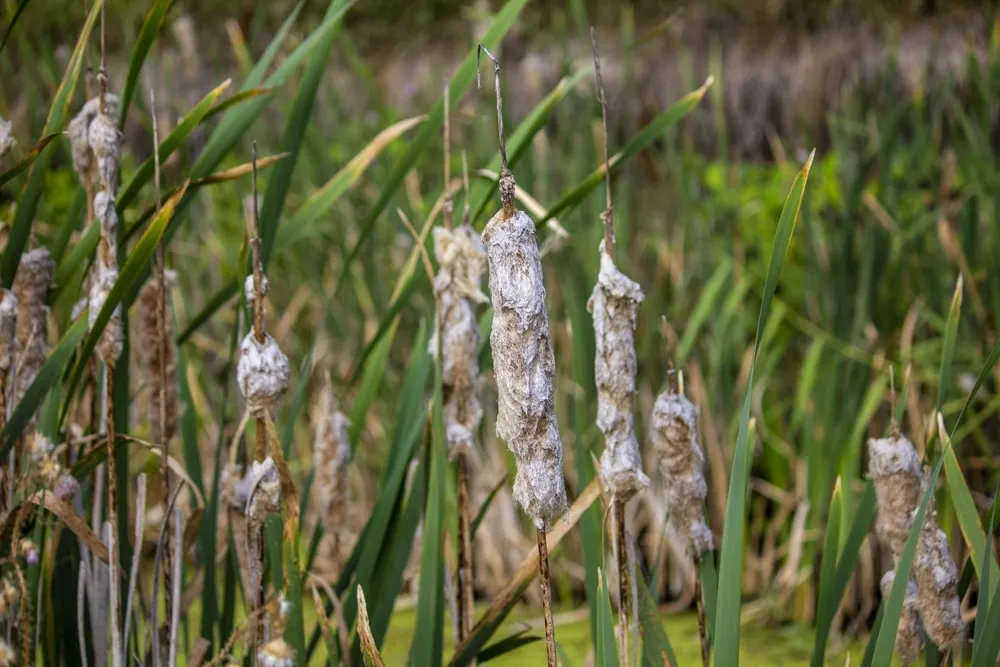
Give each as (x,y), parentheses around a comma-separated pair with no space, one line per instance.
(7,140)
(331,455)
(462,260)
(8,331)
(103,279)
(160,354)
(276,653)
(937,585)
(681,462)
(614,304)
(263,371)
(895,469)
(265,490)
(84,160)
(909,635)
(31,288)
(105,144)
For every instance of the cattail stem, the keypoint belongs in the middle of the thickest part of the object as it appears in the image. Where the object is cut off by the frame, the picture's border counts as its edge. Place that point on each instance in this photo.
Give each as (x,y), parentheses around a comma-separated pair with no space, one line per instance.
(109,426)
(446,213)
(506,177)
(608,216)
(258,278)
(623,582)
(465,588)
(699,601)
(543,575)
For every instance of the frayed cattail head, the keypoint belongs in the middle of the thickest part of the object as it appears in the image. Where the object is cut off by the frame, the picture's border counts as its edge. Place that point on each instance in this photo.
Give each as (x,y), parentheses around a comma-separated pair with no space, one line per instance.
(524,366)
(7,140)
(31,287)
(276,653)
(105,145)
(262,373)
(65,487)
(154,344)
(909,634)
(104,276)
(331,455)
(84,161)
(614,305)
(895,469)
(265,490)
(681,462)
(462,259)
(8,330)
(937,586)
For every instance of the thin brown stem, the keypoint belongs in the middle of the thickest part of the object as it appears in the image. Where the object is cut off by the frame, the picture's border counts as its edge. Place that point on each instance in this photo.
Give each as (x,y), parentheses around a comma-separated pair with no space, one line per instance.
(448,205)
(506,177)
(258,266)
(543,575)
(465,588)
(623,583)
(894,427)
(467,212)
(608,215)
(109,426)
(162,342)
(702,619)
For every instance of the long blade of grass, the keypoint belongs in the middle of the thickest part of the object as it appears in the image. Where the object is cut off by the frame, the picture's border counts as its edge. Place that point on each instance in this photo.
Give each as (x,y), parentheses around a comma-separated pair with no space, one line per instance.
(20,228)
(657,649)
(151,26)
(606,649)
(460,82)
(22,5)
(506,645)
(986,644)
(485,507)
(968,521)
(727,624)
(828,565)
(133,268)
(428,636)
(27,160)
(295,131)
(638,143)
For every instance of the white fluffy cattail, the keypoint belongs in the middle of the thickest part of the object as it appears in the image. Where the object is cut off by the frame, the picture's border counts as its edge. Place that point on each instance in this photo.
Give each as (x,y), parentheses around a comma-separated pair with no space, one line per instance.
(103,278)
(262,372)
(682,463)
(614,305)
(895,469)
(7,140)
(8,330)
(523,362)
(937,586)
(331,455)
(159,353)
(84,161)
(462,259)
(909,634)
(276,653)
(105,145)
(31,288)
(264,491)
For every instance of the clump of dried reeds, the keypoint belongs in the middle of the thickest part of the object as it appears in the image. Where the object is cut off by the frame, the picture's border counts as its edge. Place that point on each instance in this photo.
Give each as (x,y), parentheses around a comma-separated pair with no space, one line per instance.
(909,634)
(34,277)
(331,456)
(524,366)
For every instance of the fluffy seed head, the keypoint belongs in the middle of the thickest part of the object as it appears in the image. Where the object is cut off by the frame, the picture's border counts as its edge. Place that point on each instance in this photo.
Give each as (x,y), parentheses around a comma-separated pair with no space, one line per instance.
(66,487)
(937,584)
(160,354)
(524,366)
(681,462)
(895,469)
(109,346)
(331,454)
(7,140)
(265,490)
(84,162)
(262,372)
(909,635)
(462,260)
(276,653)
(105,144)
(248,288)
(35,274)
(8,329)
(614,305)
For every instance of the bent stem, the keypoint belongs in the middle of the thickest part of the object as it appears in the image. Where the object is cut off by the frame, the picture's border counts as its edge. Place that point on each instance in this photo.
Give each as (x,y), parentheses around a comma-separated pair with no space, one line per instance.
(700,605)
(465,589)
(623,582)
(543,575)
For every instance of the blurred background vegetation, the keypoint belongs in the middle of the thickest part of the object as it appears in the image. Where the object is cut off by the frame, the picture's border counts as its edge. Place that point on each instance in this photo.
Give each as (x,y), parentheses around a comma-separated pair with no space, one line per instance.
(899,96)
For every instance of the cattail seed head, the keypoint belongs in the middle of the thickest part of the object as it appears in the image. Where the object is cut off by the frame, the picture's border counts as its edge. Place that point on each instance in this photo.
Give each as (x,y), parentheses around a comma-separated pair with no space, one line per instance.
(103,277)
(262,372)
(276,653)
(65,487)
(105,144)
(35,274)
(331,455)
(7,140)
(909,634)
(160,354)
(524,366)
(84,161)
(8,330)
(250,291)
(895,469)
(937,586)
(265,490)
(614,305)
(462,260)
(681,462)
